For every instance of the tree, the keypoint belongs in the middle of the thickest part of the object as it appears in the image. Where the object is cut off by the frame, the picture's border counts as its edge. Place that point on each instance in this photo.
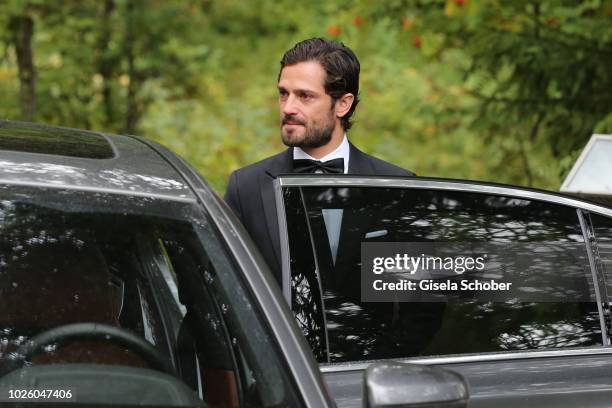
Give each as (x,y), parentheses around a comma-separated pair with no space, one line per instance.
(503,91)
(539,70)
(20,32)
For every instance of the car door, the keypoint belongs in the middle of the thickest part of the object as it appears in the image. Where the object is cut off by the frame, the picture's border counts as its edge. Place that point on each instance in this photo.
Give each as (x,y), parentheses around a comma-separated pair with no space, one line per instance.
(113,299)
(542,339)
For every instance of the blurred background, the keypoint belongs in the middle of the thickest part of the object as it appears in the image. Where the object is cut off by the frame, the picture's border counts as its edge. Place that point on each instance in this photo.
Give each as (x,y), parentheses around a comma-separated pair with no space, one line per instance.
(490,90)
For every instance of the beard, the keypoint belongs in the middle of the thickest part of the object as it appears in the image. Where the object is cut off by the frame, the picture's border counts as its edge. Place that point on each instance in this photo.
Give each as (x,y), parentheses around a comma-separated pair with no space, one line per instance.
(315,135)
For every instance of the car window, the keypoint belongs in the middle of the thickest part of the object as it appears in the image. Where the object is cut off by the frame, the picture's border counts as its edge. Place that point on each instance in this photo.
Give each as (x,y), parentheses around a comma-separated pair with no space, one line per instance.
(601,244)
(306,301)
(121,299)
(539,246)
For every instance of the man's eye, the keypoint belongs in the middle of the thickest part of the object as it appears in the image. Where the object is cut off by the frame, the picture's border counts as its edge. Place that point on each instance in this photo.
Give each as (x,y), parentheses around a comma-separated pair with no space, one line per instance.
(282,94)
(306,96)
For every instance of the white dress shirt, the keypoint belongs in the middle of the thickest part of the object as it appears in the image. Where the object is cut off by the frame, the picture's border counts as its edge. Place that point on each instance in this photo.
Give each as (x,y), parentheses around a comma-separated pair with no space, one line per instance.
(331,216)
(342,151)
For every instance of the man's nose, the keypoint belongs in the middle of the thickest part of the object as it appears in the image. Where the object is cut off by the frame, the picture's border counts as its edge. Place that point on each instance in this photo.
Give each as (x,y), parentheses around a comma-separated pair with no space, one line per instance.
(289,105)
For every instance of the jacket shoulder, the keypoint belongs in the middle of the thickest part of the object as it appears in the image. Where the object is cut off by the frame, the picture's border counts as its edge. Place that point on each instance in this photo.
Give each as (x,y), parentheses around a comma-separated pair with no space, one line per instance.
(244,182)
(252,171)
(383,168)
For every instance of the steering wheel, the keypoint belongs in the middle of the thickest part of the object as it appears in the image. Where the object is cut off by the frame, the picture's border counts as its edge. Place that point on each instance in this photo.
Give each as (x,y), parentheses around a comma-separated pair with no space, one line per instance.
(96,331)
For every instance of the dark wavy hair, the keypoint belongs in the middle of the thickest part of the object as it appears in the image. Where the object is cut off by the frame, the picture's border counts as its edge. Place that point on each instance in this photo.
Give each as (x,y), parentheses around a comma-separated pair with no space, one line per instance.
(340,64)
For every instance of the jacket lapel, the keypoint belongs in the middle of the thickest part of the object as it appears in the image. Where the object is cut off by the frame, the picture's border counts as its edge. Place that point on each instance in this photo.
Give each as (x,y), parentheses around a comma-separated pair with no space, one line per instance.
(354,224)
(282,163)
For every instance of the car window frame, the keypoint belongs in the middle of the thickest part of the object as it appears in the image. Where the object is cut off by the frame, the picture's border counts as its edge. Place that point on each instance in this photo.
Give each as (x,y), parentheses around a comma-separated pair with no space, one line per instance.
(582,208)
(592,241)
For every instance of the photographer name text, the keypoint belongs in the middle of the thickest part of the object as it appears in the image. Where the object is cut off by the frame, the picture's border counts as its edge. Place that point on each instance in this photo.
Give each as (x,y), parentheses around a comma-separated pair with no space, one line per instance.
(433,286)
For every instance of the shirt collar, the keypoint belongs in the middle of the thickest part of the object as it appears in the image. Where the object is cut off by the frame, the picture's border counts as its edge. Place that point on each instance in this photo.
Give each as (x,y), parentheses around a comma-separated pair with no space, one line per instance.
(342,151)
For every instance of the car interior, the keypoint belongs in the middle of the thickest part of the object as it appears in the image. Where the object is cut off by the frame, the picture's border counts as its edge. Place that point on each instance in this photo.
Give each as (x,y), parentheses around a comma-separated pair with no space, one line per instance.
(111,299)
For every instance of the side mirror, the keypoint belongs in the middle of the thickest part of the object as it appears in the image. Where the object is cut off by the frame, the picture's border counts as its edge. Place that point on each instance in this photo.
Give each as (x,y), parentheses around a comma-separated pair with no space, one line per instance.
(396,385)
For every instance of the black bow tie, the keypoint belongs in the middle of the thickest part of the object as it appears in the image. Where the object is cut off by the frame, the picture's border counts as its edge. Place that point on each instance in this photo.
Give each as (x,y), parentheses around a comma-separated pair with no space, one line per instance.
(335,166)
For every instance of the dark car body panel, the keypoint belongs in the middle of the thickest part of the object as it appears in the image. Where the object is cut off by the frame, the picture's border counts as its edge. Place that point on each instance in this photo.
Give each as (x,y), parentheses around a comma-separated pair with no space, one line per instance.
(134,169)
(563,381)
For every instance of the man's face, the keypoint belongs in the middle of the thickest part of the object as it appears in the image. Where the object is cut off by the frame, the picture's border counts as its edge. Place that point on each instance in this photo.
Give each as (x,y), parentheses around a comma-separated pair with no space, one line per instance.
(306,111)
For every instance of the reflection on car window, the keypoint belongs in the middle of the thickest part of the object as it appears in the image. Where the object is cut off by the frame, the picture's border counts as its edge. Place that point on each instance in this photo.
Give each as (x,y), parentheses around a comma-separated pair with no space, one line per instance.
(123,290)
(601,244)
(357,330)
(305,286)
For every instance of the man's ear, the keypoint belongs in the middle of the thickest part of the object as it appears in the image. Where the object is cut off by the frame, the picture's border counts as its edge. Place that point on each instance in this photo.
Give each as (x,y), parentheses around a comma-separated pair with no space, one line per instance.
(343,104)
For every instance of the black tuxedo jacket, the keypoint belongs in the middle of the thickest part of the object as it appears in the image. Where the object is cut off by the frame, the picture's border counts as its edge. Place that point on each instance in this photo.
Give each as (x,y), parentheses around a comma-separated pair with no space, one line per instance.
(250,193)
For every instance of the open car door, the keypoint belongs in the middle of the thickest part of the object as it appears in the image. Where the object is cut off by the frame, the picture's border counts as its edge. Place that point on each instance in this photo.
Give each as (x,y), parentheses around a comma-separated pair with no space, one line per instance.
(389,269)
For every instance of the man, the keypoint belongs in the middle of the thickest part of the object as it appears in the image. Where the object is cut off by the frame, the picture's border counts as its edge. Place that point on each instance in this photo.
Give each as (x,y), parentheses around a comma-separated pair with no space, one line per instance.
(318,87)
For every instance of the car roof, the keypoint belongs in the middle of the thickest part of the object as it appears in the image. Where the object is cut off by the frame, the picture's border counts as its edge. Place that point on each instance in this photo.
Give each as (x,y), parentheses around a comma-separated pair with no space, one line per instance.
(52,156)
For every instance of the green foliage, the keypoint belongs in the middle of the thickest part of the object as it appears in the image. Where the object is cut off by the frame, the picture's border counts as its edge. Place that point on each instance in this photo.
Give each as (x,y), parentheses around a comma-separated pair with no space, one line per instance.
(503,91)
(539,73)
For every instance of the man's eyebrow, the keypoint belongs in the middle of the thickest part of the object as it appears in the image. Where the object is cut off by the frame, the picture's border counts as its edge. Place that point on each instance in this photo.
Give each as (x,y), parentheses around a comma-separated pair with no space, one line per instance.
(306,91)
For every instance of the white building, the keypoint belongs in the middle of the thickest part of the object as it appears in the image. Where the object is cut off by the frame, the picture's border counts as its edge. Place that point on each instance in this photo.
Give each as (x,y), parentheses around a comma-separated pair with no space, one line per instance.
(591,176)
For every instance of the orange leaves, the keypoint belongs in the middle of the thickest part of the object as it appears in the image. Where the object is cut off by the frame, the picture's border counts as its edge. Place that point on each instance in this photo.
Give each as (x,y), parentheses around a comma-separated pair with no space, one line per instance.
(552,21)
(406,23)
(334,30)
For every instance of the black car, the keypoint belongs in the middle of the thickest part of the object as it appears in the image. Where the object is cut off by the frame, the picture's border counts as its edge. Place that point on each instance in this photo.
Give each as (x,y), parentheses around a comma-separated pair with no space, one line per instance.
(125,280)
